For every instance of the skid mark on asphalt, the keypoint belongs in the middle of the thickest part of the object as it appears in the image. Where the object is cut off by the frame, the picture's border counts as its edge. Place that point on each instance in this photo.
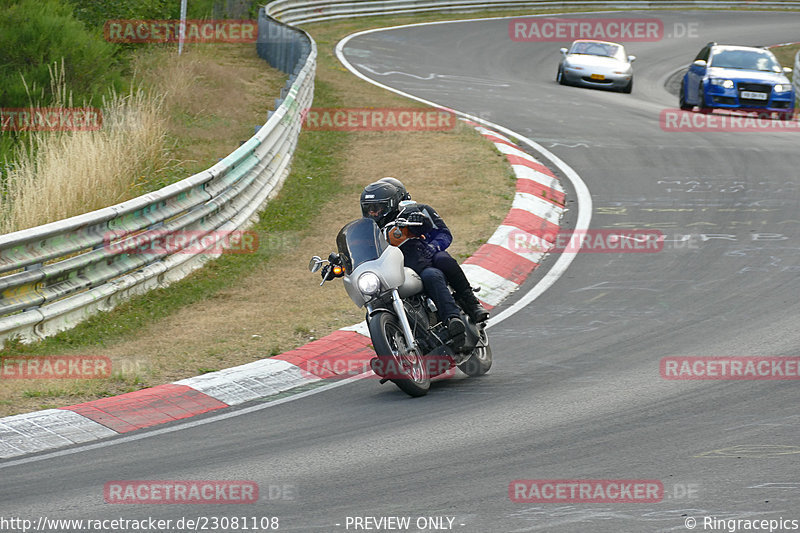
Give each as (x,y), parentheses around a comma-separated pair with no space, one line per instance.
(752,451)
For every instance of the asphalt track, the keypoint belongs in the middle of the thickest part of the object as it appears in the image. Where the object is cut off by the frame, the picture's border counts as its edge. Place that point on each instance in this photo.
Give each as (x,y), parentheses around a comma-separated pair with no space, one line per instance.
(575,391)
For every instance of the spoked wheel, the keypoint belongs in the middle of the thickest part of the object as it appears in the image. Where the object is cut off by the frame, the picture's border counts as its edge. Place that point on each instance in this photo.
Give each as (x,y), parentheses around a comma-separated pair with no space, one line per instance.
(481,360)
(389,341)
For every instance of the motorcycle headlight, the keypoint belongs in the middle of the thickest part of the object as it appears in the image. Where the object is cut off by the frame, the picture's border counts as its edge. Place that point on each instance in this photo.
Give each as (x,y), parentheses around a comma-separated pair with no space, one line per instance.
(782,88)
(726,84)
(369,283)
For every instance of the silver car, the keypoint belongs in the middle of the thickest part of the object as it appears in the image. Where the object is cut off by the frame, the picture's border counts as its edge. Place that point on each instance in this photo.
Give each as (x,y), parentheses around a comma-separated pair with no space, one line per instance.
(596,64)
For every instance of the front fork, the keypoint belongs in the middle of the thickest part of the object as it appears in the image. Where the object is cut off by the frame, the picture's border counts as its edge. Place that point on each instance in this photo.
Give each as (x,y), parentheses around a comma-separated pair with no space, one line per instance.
(400,311)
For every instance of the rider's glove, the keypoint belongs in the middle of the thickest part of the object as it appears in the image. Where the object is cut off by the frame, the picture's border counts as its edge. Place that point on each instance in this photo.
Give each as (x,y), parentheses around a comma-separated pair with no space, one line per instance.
(416,218)
(421,223)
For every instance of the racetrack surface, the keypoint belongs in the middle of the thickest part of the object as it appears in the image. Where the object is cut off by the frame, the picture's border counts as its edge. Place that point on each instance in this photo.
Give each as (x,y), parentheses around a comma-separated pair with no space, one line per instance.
(575,391)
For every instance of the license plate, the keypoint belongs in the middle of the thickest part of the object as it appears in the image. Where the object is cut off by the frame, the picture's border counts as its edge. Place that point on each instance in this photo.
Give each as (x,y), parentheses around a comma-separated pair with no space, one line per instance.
(753,96)
(598,77)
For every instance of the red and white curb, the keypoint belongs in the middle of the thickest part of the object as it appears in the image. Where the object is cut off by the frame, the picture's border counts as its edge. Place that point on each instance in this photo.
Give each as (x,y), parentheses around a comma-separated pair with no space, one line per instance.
(498,267)
(501,265)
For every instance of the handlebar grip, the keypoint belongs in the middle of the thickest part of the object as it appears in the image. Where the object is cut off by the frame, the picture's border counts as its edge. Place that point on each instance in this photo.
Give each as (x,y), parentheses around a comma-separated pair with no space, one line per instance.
(403,222)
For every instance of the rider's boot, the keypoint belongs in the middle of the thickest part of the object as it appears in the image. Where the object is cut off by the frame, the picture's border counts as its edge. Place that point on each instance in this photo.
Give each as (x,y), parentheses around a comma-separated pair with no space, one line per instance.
(472,306)
(457,332)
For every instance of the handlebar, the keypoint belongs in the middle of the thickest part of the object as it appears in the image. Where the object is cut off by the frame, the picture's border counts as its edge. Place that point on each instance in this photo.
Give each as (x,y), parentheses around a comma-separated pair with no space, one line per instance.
(402,222)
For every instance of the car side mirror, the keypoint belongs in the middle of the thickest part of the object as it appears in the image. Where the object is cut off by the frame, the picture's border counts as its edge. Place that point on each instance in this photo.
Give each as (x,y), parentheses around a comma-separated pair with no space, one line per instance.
(563,51)
(787,70)
(700,63)
(631,59)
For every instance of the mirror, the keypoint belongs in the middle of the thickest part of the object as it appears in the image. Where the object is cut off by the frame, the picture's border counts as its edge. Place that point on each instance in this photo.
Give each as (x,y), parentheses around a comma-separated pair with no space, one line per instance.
(699,63)
(631,59)
(787,70)
(315,263)
(563,51)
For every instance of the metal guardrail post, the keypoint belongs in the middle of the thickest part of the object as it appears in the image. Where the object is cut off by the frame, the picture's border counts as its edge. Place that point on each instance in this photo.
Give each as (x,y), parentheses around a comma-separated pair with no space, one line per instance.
(796,80)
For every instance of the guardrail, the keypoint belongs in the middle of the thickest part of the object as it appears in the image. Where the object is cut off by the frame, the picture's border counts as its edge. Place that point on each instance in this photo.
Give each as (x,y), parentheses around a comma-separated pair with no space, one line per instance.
(55,275)
(305,11)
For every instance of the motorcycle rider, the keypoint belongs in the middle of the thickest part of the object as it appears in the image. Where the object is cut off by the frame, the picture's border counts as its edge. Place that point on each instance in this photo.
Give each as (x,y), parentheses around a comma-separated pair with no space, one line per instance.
(380,201)
(438,237)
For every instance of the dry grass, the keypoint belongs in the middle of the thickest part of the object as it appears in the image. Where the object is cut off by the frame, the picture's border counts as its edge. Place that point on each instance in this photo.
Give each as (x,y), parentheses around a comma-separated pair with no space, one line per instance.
(214,95)
(188,112)
(59,175)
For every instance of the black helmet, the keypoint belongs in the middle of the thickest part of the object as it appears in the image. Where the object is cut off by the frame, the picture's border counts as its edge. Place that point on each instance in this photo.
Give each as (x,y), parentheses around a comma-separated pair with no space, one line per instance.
(379,201)
(404,195)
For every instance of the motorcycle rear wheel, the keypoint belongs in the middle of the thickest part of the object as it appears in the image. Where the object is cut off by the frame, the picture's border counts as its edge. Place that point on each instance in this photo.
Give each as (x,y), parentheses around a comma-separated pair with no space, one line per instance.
(388,340)
(481,359)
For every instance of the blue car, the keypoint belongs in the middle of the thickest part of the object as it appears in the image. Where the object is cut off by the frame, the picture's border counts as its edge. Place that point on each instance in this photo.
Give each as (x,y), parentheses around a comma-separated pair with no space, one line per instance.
(737,77)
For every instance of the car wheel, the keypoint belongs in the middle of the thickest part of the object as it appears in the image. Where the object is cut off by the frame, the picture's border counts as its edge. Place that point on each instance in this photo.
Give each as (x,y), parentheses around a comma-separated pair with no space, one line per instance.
(560,76)
(628,88)
(701,101)
(682,98)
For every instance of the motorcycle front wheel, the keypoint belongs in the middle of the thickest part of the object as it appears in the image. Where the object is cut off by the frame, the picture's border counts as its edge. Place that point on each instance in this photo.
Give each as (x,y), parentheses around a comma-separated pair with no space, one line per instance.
(388,340)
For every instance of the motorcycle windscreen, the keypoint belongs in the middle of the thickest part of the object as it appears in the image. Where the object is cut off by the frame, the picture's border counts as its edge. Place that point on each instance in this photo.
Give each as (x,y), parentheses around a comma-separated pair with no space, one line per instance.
(358,242)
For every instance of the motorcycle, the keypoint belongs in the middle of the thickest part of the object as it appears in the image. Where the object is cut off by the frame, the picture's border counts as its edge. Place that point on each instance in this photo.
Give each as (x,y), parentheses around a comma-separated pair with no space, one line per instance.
(412,345)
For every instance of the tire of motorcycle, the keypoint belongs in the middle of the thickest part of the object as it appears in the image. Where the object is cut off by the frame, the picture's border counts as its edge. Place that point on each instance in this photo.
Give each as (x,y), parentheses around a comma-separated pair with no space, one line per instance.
(388,340)
(481,359)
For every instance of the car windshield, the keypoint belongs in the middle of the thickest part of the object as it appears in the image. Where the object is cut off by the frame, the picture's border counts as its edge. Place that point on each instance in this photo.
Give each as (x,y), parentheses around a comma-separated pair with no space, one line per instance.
(597,49)
(358,242)
(745,60)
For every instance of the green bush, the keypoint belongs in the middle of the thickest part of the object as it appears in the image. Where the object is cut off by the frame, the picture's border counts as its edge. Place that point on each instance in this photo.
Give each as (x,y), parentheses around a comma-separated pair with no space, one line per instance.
(35,34)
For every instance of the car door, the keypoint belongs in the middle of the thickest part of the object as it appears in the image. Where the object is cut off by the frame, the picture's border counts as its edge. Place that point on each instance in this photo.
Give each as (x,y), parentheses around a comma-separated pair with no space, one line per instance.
(695,75)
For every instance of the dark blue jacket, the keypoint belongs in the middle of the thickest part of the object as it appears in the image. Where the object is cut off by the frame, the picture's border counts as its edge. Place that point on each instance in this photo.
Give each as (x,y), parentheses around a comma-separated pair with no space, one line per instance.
(435,237)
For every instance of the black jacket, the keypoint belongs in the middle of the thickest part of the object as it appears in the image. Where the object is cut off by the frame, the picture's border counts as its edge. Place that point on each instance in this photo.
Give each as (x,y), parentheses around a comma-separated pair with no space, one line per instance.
(434,236)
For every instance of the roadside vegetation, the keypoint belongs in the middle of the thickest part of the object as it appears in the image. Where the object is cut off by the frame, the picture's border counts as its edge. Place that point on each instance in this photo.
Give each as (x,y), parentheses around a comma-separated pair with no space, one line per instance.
(786,55)
(53,54)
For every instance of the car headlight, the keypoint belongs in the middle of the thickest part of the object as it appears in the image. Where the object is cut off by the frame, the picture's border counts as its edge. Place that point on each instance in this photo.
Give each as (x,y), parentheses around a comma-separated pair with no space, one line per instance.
(369,283)
(726,84)
(782,88)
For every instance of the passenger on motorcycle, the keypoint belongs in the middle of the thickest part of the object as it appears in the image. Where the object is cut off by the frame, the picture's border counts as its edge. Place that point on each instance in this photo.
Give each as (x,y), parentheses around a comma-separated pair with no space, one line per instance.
(424,251)
(438,237)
